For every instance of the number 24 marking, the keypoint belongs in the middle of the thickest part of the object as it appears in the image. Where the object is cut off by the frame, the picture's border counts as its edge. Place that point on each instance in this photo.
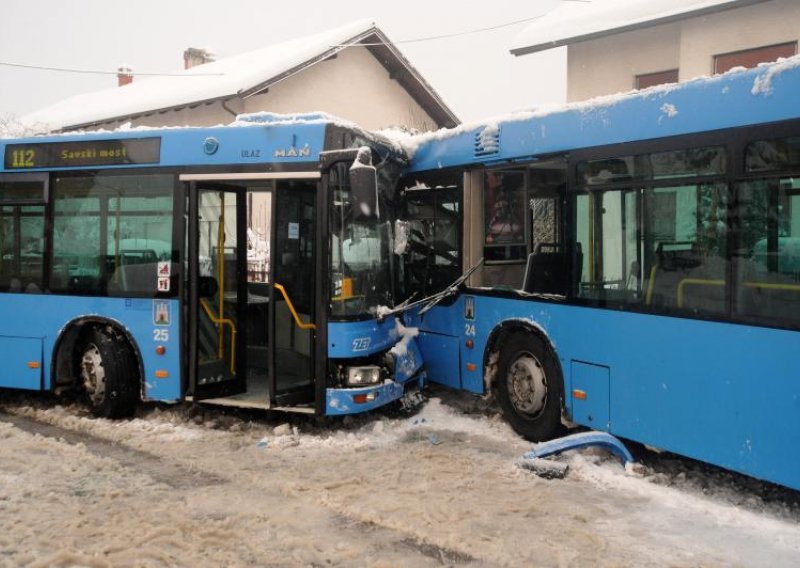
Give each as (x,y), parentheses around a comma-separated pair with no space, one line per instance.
(469,329)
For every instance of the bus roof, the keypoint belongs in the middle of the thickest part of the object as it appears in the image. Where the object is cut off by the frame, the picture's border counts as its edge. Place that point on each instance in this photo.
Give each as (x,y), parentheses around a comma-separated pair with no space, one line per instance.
(285,141)
(740,97)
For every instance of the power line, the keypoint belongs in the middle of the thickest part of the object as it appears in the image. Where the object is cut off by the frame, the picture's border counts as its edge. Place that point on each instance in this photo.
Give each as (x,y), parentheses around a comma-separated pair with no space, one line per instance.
(98,72)
(151,74)
(458,34)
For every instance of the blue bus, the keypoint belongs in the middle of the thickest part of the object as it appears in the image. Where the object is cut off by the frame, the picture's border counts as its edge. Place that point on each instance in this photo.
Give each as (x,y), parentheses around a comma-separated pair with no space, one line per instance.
(239,265)
(641,267)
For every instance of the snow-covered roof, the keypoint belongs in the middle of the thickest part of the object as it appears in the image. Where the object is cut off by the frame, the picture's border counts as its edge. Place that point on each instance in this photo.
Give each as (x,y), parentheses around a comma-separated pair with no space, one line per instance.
(244,74)
(572,22)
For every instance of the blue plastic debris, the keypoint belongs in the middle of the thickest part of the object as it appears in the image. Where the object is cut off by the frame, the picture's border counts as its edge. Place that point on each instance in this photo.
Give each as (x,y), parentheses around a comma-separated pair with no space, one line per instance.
(582,440)
(262,443)
(434,439)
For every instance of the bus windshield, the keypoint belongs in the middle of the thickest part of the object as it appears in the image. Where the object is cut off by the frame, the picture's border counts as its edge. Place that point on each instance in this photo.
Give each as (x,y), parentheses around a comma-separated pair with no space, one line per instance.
(360,260)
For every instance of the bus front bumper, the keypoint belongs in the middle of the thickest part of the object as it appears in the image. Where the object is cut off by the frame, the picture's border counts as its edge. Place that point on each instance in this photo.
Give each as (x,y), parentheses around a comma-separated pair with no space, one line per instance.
(353,401)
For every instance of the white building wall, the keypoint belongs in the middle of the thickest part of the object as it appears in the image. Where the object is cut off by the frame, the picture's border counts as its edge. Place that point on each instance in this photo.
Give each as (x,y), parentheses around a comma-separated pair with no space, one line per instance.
(754,26)
(610,64)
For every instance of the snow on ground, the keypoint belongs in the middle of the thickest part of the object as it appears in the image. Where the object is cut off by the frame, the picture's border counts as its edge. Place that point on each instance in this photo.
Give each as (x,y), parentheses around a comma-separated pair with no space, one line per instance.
(438,487)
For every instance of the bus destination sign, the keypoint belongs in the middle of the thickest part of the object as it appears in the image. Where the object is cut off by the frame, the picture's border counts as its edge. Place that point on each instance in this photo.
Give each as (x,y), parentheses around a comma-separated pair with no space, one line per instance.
(83,153)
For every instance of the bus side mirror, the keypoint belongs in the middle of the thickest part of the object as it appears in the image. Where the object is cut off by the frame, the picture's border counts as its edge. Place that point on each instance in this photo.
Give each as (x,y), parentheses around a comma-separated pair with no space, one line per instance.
(364,185)
(402,231)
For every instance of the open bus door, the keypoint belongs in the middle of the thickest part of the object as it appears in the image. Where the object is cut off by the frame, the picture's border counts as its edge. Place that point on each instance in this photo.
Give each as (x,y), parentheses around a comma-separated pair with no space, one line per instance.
(252,291)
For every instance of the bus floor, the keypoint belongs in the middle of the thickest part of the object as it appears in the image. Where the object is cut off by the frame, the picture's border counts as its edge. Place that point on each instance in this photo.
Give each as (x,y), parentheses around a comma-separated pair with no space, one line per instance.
(257,393)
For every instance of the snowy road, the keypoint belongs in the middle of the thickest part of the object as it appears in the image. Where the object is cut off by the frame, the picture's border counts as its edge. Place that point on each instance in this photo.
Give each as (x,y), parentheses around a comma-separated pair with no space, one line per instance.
(199,488)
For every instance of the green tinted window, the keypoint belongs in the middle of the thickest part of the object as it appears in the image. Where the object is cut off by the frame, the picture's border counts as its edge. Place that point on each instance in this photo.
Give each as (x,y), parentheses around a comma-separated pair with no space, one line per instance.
(110,232)
(21,248)
(768,251)
(772,155)
(690,162)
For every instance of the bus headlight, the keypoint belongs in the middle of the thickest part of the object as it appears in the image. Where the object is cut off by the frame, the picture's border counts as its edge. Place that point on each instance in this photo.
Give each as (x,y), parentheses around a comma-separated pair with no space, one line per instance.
(360,376)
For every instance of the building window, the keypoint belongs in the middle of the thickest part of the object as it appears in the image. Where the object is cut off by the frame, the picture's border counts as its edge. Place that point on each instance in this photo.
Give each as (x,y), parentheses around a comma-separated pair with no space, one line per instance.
(658,78)
(752,57)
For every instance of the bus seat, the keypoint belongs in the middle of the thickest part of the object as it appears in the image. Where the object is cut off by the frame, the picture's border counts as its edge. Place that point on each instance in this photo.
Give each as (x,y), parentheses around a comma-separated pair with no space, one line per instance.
(134,277)
(671,267)
(545,270)
(33,288)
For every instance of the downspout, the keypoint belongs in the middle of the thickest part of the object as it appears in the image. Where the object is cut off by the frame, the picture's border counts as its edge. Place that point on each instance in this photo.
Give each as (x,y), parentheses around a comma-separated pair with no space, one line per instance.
(224,106)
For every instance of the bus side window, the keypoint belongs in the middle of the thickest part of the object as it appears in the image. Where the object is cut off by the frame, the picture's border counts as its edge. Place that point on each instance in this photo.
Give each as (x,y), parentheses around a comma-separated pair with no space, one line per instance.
(548,266)
(768,251)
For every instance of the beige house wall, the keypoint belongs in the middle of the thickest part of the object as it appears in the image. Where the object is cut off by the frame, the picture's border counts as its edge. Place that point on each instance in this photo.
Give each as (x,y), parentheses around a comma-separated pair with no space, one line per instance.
(353,86)
(610,64)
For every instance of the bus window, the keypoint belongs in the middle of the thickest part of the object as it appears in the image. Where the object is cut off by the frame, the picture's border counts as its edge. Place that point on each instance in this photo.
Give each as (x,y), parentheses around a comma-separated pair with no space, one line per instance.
(547,267)
(662,247)
(110,232)
(607,235)
(21,248)
(768,251)
(504,216)
(21,235)
(433,210)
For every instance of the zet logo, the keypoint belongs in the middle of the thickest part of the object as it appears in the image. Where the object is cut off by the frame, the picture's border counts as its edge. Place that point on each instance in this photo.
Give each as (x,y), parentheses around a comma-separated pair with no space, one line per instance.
(210,145)
(361,343)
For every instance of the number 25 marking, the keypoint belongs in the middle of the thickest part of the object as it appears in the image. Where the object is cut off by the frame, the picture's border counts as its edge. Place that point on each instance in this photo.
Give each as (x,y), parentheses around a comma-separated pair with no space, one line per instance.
(160,335)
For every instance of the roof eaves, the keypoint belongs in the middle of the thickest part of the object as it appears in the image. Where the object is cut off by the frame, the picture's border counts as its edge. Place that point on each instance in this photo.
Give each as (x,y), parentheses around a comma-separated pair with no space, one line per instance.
(425,95)
(634,26)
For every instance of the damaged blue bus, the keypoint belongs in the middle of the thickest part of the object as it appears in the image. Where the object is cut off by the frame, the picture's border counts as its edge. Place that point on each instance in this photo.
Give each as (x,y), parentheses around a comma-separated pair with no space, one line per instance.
(640,267)
(239,266)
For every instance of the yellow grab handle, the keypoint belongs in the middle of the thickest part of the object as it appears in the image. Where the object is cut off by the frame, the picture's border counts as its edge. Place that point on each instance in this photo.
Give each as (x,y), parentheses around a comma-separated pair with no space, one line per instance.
(297,321)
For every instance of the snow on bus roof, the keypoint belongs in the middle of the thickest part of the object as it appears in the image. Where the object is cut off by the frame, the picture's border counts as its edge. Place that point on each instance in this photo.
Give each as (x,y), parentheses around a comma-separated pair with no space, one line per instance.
(256,119)
(214,80)
(762,85)
(571,22)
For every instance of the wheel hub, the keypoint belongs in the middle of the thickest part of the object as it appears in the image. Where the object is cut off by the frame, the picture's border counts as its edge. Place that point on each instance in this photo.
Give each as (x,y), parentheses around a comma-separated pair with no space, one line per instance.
(528,385)
(93,373)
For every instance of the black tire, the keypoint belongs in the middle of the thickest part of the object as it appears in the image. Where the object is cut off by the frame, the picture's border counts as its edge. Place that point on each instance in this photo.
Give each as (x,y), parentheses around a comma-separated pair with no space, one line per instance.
(108,371)
(529,387)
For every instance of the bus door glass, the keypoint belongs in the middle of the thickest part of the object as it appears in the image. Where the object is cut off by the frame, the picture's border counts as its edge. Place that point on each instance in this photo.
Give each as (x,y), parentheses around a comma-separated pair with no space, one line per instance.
(219,312)
(294,291)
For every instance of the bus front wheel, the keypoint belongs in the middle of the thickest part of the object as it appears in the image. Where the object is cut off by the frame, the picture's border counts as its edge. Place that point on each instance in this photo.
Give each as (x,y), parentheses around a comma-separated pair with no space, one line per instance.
(108,373)
(529,387)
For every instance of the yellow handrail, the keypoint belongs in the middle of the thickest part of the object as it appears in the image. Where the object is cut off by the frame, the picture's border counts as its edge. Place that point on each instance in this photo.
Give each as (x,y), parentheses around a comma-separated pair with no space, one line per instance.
(229,323)
(297,321)
(699,281)
(696,281)
(773,286)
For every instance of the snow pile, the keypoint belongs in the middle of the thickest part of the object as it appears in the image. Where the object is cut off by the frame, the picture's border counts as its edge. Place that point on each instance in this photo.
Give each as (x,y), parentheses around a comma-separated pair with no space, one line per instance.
(762,85)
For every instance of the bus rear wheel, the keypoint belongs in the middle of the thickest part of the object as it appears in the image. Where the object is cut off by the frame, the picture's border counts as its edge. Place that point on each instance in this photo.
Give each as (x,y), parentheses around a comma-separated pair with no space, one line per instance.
(529,387)
(108,372)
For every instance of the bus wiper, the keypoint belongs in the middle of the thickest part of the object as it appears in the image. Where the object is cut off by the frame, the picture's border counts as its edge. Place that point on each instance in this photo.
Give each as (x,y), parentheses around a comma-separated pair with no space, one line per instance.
(450,290)
(433,299)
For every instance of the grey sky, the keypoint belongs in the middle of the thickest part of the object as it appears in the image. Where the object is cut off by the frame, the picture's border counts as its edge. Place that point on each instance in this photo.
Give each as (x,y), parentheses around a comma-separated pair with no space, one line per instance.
(474,73)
